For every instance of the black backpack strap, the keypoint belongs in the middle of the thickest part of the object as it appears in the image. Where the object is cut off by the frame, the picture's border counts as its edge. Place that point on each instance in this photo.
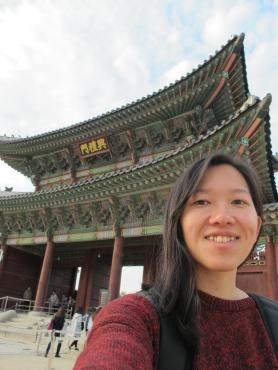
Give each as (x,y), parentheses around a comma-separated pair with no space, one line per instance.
(172,351)
(269,313)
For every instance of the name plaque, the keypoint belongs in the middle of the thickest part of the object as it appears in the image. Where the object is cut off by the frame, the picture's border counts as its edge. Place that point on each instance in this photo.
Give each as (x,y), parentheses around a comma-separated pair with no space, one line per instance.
(93,146)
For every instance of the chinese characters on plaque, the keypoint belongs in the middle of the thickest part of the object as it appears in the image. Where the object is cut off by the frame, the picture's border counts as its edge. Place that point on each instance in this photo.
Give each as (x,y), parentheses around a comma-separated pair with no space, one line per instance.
(93,146)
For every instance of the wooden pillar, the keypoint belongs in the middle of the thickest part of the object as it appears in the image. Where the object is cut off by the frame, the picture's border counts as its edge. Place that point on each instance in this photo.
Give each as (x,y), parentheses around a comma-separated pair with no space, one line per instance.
(116,268)
(80,299)
(271,273)
(71,289)
(90,280)
(44,276)
(149,265)
(3,254)
(85,288)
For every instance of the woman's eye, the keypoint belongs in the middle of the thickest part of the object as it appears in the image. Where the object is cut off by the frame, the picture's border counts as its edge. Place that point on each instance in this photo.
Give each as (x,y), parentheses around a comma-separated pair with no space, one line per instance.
(201,202)
(239,201)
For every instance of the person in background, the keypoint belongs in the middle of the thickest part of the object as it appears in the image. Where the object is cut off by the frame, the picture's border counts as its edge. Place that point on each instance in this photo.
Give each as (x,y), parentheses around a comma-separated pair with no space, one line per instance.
(71,304)
(91,321)
(195,316)
(57,323)
(75,328)
(93,317)
(27,296)
(86,319)
(54,300)
(64,301)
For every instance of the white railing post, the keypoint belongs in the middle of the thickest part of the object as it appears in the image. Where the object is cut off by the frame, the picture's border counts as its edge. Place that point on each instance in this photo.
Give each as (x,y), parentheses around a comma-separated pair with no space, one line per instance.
(39,340)
(6,301)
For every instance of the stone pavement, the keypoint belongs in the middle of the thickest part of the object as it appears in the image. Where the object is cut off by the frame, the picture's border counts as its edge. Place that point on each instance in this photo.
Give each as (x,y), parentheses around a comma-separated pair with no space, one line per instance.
(17,354)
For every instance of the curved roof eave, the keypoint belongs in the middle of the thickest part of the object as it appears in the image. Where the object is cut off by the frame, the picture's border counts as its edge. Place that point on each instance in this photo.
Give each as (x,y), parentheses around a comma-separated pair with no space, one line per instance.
(86,185)
(270,157)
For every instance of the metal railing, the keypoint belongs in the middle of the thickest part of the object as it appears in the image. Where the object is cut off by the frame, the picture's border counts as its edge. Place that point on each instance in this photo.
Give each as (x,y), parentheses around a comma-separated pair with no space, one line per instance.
(24,305)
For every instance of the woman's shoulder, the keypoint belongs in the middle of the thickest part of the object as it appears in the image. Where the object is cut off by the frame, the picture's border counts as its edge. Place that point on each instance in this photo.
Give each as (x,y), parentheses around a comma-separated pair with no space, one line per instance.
(126,330)
(130,305)
(134,300)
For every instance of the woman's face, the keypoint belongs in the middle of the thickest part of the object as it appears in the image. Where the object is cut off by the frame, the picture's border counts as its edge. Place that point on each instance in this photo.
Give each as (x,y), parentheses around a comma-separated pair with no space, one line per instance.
(219,222)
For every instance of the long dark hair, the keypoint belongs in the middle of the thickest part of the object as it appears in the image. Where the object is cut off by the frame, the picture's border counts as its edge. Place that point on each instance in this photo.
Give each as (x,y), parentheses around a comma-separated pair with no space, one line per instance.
(176,280)
(60,312)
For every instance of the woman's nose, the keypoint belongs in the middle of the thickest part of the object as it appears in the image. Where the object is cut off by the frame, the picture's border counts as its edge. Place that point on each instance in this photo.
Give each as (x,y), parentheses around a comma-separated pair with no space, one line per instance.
(221,215)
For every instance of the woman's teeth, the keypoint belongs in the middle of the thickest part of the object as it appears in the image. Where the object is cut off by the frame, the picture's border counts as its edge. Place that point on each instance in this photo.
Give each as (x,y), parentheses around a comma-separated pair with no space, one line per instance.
(221,239)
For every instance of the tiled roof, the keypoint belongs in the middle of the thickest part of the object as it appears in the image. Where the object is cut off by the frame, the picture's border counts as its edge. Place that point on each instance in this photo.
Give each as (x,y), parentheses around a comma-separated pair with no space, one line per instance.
(11,194)
(145,164)
(271,207)
(275,162)
(8,138)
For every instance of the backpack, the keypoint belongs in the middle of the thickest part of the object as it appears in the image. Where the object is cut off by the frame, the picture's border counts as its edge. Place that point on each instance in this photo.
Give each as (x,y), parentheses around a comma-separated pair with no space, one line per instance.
(269,313)
(51,325)
(174,355)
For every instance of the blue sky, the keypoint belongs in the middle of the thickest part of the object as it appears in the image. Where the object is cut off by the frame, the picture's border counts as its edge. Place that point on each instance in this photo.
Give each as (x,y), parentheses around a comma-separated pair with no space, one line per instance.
(65,61)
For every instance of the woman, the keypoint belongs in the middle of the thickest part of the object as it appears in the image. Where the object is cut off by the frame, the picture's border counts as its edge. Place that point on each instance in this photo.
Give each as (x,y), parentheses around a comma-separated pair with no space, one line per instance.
(92,318)
(195,316)
(75,327)
(57,323)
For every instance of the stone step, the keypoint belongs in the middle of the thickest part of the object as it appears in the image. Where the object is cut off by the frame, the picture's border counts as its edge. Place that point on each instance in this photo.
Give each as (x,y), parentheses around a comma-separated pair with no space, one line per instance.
(23,321)
(25,326)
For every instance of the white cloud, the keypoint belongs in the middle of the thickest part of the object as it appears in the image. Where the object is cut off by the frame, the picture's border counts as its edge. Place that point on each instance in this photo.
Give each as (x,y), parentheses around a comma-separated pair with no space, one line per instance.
(11,178)
(178,71)
(224,20)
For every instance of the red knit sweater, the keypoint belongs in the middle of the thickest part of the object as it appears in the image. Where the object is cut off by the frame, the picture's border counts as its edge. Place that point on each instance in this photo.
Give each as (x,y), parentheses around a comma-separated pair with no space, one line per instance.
(233,336)
(126,337)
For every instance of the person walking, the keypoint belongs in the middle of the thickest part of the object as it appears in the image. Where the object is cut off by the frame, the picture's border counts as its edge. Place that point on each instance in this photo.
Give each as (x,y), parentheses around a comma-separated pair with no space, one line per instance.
(57,323)
(86,319)
(75,328)
(93,317)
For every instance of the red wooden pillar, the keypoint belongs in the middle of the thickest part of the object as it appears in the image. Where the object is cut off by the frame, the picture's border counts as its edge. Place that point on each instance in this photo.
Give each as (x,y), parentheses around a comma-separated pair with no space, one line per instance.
(90,281)
(44,276)
(82,286)
(85,288)
(116,268)
(271,264)
(3,254)
(149,266)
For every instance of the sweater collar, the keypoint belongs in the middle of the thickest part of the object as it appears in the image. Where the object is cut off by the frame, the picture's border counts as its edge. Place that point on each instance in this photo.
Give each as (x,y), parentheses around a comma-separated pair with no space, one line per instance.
(214,303)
